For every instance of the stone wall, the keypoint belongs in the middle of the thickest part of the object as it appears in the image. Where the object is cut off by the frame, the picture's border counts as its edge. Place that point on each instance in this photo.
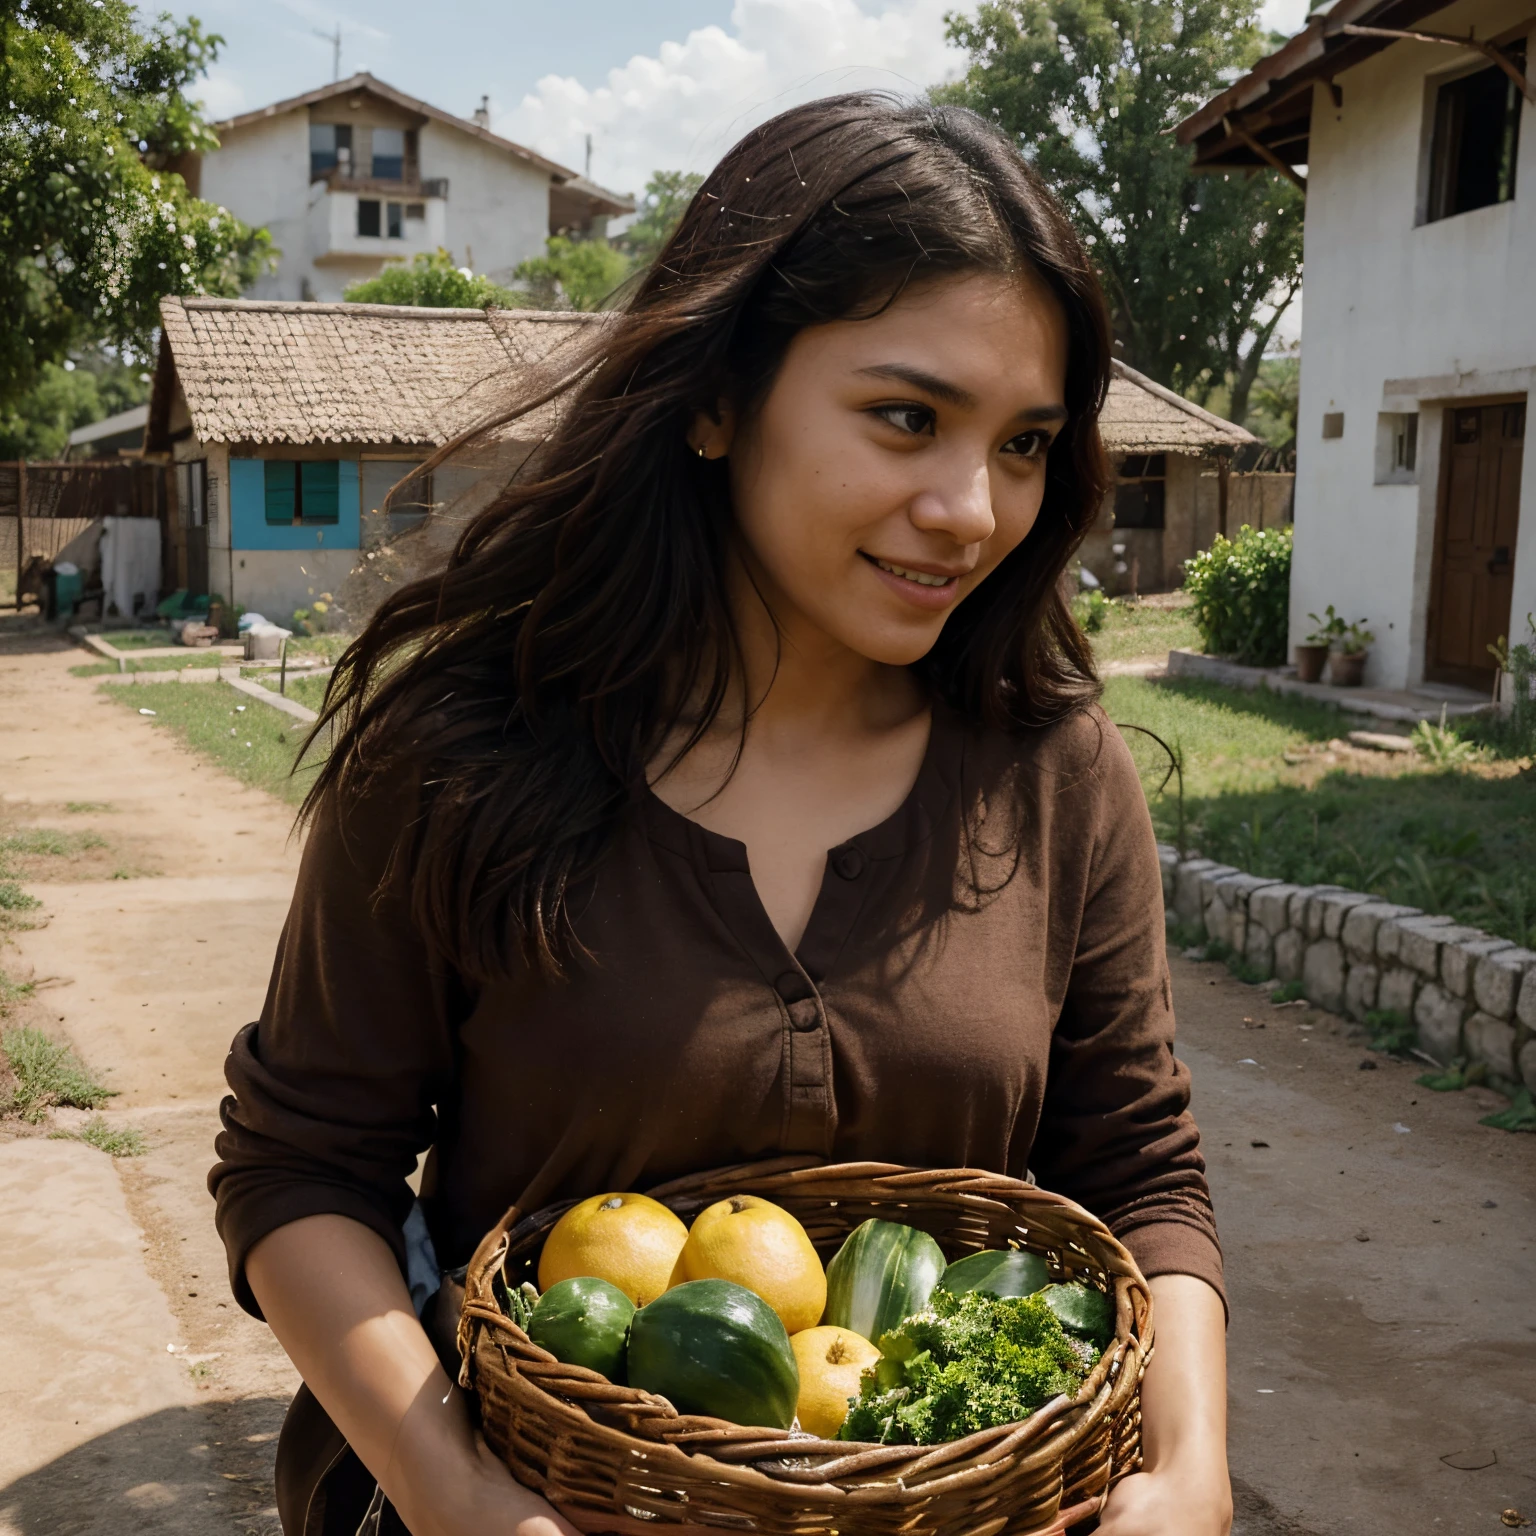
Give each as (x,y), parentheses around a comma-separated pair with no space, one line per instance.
(1468,993)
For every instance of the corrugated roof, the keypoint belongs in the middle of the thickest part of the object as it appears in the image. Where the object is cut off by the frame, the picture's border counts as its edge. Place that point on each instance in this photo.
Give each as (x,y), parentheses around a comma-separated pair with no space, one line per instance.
(262,371)
(259,371)
(1141,416)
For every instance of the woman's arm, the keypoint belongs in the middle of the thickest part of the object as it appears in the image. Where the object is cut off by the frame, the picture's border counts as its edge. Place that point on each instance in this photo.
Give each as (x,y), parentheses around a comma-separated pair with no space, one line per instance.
(331,1290)
(1183,1488)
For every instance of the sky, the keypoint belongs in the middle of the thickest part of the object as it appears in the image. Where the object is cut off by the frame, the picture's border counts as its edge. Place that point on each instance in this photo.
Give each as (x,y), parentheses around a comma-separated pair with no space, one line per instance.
(659,84)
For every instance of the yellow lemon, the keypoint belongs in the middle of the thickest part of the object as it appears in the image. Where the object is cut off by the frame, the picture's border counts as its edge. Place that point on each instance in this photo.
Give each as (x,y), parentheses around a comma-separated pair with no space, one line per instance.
(761,1246)
(630,1241)
(831,1361)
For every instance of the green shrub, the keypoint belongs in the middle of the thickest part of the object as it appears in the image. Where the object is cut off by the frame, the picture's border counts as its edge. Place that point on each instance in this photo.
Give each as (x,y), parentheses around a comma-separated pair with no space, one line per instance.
(1091,610)
(1242,590)
(47,1073)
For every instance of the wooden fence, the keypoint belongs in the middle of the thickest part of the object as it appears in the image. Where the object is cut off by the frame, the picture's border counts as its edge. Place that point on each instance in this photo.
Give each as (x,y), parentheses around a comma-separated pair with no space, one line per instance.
(45,505)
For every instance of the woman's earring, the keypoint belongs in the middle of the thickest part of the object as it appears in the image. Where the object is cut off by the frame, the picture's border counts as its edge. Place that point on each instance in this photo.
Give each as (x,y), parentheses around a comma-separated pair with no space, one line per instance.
(701,451)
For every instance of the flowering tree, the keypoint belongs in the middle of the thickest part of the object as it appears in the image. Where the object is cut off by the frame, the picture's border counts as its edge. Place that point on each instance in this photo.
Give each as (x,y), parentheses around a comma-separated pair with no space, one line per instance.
(96,225)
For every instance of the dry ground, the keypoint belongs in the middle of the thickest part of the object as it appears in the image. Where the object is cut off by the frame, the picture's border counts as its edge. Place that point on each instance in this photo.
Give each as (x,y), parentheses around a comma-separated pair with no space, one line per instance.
(1383,1333)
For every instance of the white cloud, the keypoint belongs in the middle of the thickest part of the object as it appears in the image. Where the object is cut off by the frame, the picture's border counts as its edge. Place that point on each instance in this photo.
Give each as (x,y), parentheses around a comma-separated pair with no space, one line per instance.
(683,107)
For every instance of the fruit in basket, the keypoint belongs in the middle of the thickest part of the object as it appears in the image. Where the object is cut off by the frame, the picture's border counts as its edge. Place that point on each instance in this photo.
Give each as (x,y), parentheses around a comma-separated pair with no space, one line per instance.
(758,1244)
(584,1321)
(831,1360)
(998,1272)
(883,1273)
(967,1363)
(630,1241)
(1088,1313)
(713,1347)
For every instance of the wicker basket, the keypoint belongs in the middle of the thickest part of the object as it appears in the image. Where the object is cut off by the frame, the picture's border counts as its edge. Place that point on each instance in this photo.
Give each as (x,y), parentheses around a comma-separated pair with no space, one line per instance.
(614,1458)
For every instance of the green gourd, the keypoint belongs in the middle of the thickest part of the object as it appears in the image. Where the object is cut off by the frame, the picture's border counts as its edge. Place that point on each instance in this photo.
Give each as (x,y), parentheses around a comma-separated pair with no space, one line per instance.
(715,1348)
(882,1275)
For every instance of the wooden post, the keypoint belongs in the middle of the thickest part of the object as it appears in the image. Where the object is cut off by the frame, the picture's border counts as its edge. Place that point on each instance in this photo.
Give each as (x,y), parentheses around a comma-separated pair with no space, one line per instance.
(21,525)
(1223,473)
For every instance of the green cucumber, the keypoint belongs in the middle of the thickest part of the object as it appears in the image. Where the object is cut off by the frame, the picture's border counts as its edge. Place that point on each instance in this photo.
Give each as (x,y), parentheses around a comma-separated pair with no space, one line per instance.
(998,1272)
(716,1348)
(584,1321)
(883,1273)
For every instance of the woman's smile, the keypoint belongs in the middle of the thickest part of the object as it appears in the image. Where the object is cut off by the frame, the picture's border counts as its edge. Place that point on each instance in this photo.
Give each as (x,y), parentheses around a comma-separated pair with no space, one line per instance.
(927,589)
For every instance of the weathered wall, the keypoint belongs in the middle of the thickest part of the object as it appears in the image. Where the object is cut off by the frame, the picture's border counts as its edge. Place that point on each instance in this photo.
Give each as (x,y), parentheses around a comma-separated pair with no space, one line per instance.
(261,174)
(498,207)
(1439,312)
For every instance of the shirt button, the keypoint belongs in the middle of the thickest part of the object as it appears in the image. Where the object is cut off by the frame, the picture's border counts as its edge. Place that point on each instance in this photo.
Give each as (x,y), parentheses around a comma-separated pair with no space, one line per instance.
(804,1014)
(848,861)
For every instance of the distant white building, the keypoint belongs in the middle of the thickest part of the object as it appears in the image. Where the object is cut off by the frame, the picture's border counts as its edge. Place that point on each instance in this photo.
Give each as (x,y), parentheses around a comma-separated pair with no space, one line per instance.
(1415,497)
(356,174)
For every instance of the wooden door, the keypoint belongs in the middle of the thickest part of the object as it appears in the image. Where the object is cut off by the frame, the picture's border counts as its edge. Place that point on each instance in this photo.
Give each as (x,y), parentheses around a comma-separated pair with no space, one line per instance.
(1475,538)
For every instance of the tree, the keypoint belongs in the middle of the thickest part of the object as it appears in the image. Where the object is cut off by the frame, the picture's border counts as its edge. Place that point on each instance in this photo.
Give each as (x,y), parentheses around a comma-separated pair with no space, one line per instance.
(573,274)
(84,388)
(96,225)
(662,206)
(1197,269)
(435,283)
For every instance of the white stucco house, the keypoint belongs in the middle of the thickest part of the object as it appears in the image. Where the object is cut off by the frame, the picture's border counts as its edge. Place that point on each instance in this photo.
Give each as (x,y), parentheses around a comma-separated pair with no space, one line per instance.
(356,174)
(1415,502)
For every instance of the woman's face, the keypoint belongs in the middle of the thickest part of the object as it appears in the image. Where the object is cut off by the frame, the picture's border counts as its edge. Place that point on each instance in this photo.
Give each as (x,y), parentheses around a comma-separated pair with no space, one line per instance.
(897,460)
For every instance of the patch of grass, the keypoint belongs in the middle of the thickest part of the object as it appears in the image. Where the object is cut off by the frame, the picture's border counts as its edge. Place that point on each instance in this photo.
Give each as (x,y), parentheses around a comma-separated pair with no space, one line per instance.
(1458,840)
(308,691)
(85,807)
(218,722)
(1456,1077)
(137,639)
(1520,1116)
(48,1074)
(151,664)
(1391,1031)
(1148,627)
(1185,935)
(49,842)
(115,1141)
(1288,992)
(14,899)
(329,647)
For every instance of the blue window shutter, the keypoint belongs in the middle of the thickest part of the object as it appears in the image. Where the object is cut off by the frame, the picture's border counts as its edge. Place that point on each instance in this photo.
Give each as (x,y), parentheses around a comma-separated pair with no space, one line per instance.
(318,485)
(281,487)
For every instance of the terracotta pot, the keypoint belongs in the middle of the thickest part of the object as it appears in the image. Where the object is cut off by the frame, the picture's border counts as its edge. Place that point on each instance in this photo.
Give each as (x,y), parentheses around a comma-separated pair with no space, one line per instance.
(1346,669)
(1310,660)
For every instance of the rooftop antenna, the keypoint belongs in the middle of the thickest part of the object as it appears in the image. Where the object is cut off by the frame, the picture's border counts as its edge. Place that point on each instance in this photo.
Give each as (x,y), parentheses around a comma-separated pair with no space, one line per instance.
(588,172)
(334,39)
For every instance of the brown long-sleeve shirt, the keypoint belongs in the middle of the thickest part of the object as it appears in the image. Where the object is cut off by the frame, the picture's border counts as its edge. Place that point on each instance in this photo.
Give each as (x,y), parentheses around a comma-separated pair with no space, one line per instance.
(982,983)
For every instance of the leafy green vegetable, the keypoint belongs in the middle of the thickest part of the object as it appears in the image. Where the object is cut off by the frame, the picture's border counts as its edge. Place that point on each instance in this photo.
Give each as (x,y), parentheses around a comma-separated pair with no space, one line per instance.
(965,1364)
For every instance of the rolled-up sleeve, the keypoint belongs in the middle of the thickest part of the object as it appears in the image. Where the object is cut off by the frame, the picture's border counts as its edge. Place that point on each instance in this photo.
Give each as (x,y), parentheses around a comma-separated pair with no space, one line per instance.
(1116,1132)
(333,1088)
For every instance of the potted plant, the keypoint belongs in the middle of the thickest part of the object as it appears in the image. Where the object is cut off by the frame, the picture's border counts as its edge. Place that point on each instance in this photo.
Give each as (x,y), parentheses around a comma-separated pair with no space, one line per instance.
(1346,663)
(1312,654)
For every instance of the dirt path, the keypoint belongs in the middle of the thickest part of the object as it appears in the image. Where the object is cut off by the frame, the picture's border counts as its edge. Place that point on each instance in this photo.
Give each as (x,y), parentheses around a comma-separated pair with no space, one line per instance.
(1380,1277)
(134,1395)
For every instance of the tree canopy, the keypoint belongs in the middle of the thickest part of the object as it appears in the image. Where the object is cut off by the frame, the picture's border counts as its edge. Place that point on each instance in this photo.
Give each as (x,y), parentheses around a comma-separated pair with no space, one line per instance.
(96,225)
(662,206)
(433,282)
(573,274)
(92,384)
(1197,269)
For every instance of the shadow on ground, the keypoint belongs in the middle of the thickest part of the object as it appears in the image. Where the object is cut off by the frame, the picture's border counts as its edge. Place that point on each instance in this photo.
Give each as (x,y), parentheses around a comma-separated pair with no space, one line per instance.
(181,1472)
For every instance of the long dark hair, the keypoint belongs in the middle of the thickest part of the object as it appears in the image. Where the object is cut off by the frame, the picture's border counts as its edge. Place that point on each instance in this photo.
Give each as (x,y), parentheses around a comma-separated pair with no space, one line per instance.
(525,688)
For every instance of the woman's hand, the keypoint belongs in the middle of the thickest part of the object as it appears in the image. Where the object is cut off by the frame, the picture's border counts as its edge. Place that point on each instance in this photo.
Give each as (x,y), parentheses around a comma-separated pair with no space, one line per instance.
(1184,1489)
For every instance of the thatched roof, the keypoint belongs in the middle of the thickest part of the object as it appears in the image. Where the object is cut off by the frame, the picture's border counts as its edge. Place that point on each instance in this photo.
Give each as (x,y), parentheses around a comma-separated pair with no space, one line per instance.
(1141,416)
(261,371)
(257,371)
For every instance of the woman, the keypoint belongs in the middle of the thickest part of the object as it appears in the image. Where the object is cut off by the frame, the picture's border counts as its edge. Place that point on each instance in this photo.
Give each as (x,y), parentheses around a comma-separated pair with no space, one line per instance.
(784,580)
